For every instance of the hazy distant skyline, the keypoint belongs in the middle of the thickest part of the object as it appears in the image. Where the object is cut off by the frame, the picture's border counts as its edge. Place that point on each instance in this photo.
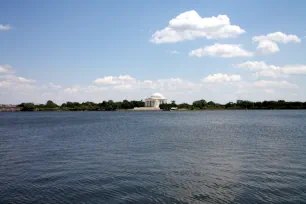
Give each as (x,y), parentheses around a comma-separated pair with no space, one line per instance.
(186,50)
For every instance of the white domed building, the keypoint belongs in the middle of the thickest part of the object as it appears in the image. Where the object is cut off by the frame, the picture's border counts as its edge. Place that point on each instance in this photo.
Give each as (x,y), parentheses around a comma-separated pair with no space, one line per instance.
(155,100)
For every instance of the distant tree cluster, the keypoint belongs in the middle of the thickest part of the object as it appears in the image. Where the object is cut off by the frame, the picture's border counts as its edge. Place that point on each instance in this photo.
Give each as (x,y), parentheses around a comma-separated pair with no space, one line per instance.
(281,104)
(196,105)
(240,104)
(85,106)
(168,106)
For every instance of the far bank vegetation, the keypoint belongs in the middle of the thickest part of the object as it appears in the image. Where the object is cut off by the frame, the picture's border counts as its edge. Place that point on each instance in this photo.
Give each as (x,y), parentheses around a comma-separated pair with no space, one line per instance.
(127,105)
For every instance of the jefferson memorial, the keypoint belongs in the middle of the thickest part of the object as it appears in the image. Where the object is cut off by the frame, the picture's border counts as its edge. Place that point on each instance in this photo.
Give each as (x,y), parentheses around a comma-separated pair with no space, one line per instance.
(155,100)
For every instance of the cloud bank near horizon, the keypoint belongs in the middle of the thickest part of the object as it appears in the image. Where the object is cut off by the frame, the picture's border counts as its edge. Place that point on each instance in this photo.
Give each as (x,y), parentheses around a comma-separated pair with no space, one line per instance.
(211,87)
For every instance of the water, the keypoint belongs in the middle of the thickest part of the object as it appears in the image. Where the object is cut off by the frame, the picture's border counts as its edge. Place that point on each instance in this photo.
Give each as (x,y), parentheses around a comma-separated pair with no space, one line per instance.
(153,157)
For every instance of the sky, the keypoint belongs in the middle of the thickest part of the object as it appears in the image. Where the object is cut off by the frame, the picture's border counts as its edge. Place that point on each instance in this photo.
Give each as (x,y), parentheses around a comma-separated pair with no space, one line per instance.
(186,50)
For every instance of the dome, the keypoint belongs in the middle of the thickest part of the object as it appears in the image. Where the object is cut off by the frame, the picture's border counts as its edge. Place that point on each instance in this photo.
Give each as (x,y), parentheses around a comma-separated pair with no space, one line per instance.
(157,96)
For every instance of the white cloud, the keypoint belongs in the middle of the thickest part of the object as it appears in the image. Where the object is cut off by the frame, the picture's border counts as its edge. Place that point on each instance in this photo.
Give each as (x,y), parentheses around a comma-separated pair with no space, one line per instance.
(278,37)
(111,80)
(217,87)
(126,78)
(268,73)
(268,43)
(94,89)
(294,69)
(5,27)
(12,80)
(190,25)
(267,46)
(7,74)
(256,65)
(221,50)
(71,90)
(91,89)
(53,86)
(5,84)
(105,80)
(123,86)
(170,84)
(174,52)
(278,84)
(6,69)
(217,78)
(147,81)
(24,80)
(263,69)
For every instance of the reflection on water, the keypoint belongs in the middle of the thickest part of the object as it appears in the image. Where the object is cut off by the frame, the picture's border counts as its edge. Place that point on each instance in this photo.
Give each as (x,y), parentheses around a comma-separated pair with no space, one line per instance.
(153,157)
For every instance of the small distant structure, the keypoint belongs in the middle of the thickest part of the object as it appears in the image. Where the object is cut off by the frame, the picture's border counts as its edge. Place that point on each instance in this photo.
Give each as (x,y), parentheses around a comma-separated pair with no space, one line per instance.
(173,109)
(153,102)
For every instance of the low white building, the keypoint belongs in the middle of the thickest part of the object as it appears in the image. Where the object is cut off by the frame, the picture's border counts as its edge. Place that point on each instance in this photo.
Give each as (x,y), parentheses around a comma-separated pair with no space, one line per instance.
(155,100)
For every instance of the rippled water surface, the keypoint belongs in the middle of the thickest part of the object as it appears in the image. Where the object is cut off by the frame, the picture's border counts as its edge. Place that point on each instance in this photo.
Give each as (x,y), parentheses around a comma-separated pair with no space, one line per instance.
(153,157)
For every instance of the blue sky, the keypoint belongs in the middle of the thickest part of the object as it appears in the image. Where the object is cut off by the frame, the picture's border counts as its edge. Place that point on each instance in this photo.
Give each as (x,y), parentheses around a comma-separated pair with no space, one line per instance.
(186,50)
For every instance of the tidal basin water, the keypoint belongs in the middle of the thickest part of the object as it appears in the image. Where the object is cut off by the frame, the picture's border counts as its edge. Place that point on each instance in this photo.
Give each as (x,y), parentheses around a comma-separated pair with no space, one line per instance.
(153,157)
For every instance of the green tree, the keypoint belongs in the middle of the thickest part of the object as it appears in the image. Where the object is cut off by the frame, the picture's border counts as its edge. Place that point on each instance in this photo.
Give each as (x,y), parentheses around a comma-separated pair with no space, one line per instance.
(201,104)
(165,106)
(126,104)
(229,105)
(27,106)
(184,106)
(51,104)
(173,104)
(211,104)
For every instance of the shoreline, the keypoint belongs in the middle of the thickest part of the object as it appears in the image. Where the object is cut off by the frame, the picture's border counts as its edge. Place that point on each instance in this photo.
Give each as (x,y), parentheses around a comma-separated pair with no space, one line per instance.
(132,110)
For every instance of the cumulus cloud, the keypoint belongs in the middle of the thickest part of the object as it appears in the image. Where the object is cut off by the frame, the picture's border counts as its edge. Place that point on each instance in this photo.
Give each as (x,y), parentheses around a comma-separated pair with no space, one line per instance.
(9,80)
(130,83)
(263,69)
(6,69)
(267,46)
(278,84)
(105,80)
(268,73)
(15,79)
(221,50)
(294,69)
(5,27)
(24,80)
(90,89)
(71,90)
(190,25)
(111,80)
(256,65)
(218,78)
(278,37)
(268,43)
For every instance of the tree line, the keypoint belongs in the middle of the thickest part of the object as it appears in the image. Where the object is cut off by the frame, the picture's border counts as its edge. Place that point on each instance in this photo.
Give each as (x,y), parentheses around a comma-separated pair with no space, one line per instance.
(85,106)
(243,104)
(196,105)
